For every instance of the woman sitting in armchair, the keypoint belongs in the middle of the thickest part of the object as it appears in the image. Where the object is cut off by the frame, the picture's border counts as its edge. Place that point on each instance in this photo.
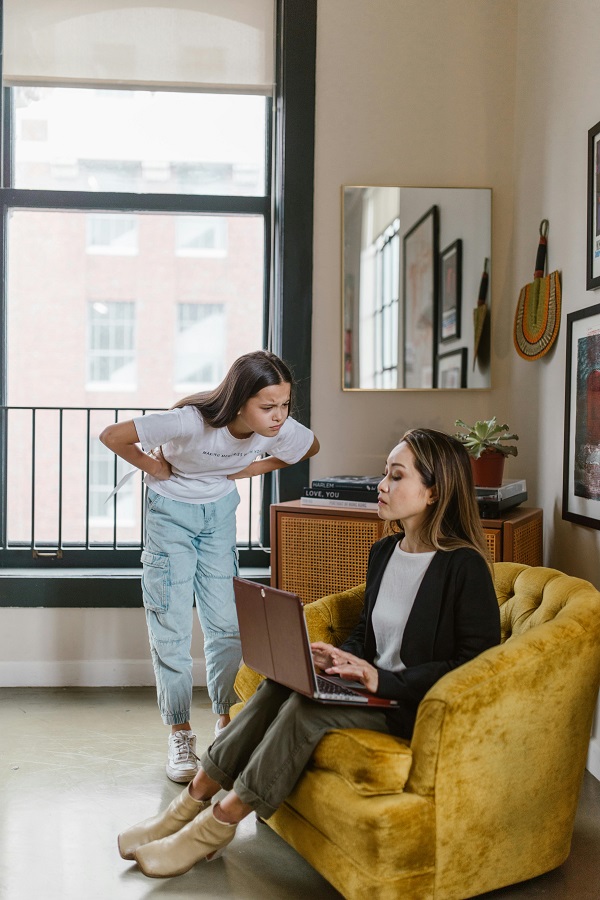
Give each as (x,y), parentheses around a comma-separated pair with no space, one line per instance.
(430,606)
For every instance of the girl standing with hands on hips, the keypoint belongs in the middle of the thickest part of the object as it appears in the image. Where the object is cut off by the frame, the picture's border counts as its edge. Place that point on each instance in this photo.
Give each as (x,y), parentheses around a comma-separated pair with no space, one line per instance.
(192,455)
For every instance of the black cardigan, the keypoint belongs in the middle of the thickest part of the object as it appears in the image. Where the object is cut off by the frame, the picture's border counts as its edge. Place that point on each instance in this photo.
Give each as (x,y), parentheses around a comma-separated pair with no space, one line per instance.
(454,617)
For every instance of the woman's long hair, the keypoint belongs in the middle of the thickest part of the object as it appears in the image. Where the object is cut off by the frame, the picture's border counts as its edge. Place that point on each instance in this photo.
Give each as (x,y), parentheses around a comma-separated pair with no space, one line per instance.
(453,520)
(248,375)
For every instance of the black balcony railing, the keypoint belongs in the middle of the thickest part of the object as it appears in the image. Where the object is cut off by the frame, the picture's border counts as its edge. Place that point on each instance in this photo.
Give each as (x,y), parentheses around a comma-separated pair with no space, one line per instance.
(56,481)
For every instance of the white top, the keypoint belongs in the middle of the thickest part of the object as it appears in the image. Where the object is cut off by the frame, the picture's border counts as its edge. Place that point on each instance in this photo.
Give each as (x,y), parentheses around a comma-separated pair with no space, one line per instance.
(202,457)
(401,581)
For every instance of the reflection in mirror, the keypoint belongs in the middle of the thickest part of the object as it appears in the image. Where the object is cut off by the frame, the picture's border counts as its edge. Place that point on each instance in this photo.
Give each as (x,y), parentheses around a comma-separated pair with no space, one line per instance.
(416,297)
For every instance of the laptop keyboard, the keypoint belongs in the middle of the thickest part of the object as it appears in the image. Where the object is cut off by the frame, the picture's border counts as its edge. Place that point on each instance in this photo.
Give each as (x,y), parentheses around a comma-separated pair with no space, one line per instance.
(332,691)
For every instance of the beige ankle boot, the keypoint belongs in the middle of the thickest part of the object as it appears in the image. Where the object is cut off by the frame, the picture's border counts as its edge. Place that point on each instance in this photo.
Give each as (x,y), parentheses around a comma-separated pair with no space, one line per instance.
(181,811)
(204,837)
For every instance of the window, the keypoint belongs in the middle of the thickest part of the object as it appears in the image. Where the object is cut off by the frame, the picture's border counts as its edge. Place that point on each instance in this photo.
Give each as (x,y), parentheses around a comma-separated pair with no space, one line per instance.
(154,228)
(115,235)
(111,345)
(201,236)
(142,141)
(120,276)
(199,346)
(380,268)
(387,280)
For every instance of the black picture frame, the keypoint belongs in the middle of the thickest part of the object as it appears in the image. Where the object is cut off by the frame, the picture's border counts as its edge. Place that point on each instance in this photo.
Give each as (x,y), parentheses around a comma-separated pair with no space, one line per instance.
(451,369)
(593,209)
(581,456)
(420,248)
(449,315)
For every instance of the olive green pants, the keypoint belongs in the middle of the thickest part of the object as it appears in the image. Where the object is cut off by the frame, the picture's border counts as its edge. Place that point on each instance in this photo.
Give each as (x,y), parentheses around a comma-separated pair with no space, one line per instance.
(265,749)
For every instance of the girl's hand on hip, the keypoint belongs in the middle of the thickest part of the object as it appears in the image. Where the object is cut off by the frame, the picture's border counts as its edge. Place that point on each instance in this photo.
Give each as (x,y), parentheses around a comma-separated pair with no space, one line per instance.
(163,469)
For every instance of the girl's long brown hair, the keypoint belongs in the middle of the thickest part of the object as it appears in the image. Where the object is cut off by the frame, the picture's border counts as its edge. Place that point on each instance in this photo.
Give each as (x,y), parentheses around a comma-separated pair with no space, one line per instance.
(453,520)
(248,375)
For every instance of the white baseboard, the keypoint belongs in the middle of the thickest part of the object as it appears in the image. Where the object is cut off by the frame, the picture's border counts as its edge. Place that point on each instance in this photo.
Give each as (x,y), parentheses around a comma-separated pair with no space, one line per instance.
(593,760)
(85,673)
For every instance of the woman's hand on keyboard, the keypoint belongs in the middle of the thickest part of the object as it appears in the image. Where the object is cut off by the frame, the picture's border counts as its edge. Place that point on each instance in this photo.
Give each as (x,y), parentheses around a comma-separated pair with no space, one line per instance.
(321,654)
(353,668)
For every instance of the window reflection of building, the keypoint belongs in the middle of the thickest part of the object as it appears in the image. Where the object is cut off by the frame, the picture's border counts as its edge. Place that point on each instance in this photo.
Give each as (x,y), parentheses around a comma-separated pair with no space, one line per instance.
(199,346)
(201,236)
(111,234)
(111,345)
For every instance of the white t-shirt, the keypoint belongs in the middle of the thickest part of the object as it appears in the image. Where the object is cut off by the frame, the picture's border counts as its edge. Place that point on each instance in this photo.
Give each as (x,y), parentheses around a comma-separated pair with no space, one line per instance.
(202,457)
(401,581)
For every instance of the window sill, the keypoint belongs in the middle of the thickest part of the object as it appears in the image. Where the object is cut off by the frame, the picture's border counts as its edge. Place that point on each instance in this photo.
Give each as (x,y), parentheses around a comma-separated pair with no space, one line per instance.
(83,588)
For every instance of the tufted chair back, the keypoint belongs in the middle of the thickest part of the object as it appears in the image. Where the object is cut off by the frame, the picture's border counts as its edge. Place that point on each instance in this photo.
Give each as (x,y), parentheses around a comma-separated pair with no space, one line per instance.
(529,597)
(327,621)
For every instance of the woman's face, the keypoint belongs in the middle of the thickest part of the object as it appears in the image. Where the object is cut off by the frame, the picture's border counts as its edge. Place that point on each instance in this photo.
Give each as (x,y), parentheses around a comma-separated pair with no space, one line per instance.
(402,494)
(264,413)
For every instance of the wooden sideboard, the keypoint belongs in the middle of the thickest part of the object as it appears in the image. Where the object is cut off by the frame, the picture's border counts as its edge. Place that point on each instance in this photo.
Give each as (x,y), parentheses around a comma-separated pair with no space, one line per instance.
(516,536)
(319,550)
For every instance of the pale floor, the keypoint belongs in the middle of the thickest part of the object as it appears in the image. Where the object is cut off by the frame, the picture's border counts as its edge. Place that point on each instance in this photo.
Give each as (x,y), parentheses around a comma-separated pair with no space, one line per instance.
(78,765)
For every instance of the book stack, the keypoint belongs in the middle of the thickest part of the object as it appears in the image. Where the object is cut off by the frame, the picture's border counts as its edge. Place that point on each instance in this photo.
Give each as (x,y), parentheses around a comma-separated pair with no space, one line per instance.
(349,491)
(493,501)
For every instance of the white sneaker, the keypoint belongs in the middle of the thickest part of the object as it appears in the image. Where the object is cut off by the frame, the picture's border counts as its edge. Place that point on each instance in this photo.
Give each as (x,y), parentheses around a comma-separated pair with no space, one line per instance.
(182,762)
(219,728)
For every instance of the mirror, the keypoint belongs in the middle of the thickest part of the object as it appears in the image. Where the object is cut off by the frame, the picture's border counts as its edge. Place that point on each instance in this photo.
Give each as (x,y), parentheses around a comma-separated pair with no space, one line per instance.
(416,287)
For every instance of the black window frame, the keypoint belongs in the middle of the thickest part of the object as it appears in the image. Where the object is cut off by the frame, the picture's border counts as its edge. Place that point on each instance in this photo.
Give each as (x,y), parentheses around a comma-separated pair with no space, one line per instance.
(287,210)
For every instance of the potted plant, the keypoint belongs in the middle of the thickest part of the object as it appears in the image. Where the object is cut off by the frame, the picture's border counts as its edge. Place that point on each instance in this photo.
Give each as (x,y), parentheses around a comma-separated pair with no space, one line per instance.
(483,442)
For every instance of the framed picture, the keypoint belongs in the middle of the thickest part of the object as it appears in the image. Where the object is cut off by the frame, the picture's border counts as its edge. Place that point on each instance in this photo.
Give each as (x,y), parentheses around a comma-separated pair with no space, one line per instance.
(593,209)
(419,268)
(451,369)
(450,291)
(581,460)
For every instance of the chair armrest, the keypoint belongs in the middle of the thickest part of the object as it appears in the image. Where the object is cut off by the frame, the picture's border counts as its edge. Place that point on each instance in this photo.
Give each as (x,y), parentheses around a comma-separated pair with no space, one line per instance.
(515,702)
(369,762)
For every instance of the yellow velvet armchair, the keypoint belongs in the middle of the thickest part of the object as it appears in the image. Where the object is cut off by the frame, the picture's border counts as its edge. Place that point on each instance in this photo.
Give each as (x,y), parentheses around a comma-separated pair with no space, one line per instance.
(485,794)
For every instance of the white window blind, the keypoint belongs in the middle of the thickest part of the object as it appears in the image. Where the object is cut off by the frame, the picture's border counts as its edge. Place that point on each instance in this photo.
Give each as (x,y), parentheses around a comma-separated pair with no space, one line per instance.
(225,45)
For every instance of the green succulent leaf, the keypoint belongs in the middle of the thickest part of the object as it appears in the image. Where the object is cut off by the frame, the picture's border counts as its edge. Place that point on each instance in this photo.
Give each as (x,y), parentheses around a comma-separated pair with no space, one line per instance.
(486,434)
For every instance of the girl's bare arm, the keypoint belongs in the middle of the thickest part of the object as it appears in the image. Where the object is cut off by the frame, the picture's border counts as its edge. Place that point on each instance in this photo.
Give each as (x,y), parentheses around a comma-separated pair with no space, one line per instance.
(122,438)
(271,463)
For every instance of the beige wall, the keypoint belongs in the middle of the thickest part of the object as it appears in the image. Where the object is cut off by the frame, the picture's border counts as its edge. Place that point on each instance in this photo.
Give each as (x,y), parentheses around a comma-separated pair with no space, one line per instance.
(497,93)
(558,73)
(409,92)
(556,103)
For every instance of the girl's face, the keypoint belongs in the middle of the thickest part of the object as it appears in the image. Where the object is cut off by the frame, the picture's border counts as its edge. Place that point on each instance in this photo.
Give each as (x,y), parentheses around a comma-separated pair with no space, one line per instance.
(402,494)
(264,413)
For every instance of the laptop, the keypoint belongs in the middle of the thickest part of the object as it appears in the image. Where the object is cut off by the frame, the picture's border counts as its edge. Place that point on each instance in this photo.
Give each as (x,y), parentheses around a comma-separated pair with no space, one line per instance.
(275,643)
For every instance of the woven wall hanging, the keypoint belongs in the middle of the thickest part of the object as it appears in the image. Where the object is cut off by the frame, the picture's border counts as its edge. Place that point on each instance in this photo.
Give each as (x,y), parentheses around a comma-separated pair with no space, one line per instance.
(537,318)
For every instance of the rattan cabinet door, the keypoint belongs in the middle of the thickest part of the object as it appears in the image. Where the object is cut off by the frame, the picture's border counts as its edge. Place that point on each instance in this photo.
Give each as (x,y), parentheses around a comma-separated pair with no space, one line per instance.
(314,554)
(516,536)
(493,539)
